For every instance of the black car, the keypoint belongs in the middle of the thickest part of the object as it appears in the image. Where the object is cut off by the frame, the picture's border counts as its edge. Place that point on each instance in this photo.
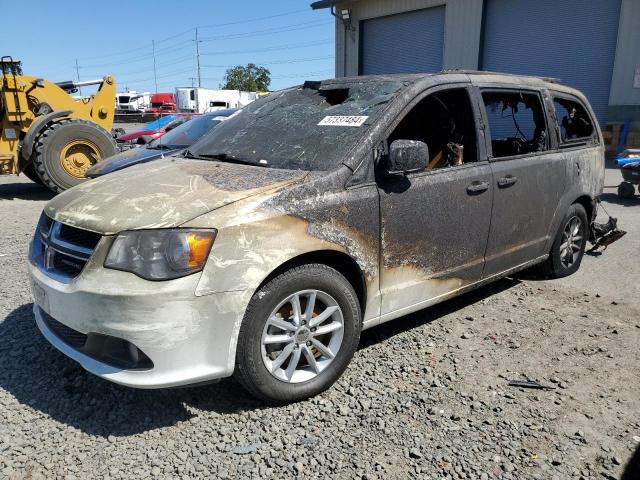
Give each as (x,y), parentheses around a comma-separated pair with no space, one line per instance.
(172,142)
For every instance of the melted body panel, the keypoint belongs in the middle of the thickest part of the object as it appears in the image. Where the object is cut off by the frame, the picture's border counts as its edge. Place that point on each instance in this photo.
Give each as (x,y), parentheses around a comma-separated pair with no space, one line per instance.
(423,217)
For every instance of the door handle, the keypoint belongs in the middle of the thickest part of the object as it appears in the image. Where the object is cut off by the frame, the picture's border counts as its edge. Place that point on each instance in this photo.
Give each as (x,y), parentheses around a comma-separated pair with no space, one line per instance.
(478,187)
(507,181)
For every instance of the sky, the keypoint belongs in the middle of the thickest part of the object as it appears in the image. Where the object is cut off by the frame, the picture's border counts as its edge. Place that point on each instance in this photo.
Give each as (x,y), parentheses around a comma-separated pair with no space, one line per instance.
(115,37)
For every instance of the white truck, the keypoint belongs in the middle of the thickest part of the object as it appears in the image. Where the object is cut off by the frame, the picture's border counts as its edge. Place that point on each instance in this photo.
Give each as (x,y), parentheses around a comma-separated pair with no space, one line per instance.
(132,102)
(203,100)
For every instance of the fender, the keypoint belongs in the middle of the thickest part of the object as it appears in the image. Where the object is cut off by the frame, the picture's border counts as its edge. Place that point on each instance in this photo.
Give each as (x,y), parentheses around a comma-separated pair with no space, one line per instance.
(34,131)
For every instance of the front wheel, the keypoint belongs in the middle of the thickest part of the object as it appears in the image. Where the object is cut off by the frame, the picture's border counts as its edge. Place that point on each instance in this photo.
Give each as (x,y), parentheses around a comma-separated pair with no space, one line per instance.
(298,335)
(569,245)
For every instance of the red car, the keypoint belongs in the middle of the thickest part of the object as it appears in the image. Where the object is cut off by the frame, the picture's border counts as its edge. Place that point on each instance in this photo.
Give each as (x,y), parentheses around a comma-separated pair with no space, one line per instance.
(154,129)
(162,103)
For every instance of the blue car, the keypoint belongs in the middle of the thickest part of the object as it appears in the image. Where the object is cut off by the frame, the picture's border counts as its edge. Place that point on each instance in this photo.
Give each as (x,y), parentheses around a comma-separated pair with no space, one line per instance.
(172,142)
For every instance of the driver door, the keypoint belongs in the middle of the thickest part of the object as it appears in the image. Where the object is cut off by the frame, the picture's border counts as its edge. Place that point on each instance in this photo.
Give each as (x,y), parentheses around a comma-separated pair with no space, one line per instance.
(434,223)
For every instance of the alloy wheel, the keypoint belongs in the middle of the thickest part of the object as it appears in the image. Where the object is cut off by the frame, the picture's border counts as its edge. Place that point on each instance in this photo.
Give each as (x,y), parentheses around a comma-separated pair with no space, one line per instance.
(571,243)
(302,336)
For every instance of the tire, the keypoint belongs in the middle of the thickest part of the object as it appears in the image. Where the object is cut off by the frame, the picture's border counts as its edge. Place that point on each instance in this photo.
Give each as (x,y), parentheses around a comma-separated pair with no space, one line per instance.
(626,190)
(559,264)
(334,297)
(31,174)
(56,145)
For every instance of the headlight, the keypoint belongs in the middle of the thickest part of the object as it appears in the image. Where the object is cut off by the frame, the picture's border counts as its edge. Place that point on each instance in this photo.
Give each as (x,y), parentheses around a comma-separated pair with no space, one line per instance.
(160,254)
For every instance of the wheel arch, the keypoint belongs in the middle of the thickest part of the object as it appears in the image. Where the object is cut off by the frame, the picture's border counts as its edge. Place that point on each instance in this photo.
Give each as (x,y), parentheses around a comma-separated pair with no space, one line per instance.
(337,260)
(589,205)
(28,142)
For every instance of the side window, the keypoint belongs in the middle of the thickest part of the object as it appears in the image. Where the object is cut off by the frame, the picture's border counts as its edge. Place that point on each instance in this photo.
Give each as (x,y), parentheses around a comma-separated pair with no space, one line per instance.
(192,95)
(445,122)
(516,122)
(573,120)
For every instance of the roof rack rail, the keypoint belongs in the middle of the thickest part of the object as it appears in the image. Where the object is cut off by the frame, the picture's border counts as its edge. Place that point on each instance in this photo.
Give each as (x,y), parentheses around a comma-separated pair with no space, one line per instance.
(487,72)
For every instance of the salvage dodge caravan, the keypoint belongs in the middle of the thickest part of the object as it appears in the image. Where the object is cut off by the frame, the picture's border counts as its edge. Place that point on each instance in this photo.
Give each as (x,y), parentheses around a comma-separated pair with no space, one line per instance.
(316,212)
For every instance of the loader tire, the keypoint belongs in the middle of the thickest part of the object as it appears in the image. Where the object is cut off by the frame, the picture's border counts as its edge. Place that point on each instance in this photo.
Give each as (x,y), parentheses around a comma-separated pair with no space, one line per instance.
(65,150)
(31,174)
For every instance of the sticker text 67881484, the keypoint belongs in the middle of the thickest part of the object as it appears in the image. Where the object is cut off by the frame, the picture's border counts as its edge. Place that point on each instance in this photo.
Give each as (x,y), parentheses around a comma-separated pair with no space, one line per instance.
(344,120)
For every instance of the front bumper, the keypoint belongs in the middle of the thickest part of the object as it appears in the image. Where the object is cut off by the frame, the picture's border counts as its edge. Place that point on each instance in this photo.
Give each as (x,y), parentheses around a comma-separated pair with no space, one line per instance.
(189,339)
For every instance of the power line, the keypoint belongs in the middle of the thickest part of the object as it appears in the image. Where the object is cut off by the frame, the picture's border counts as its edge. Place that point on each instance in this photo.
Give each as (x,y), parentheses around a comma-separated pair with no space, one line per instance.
(272,49)
(256,19)
(276,62)
(269,31)
(165,39)
(136,59)
(159,65)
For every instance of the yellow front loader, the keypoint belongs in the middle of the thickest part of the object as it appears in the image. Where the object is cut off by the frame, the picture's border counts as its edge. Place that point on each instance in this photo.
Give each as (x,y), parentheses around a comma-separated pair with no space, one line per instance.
(46,134)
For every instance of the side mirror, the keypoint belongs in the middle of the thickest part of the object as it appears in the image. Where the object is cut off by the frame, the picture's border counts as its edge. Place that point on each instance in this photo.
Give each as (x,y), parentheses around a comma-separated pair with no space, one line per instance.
(407,156)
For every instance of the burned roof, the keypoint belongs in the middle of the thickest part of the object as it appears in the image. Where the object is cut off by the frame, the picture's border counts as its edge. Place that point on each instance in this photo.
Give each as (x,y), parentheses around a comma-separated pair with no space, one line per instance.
(458,75)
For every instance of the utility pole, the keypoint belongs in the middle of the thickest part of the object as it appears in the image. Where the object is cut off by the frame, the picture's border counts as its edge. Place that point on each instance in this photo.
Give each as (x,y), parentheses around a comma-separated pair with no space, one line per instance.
(198,57)
(78,76)
(199,79)
(155,74)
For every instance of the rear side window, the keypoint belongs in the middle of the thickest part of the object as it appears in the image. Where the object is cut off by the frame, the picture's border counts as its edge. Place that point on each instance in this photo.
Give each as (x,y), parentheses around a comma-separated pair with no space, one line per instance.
(573,120)
(516,123)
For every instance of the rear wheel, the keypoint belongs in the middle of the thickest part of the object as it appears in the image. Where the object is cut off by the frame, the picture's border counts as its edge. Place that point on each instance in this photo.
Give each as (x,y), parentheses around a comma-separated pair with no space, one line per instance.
(65,150)
(298,335)
(626,190)
(569,245)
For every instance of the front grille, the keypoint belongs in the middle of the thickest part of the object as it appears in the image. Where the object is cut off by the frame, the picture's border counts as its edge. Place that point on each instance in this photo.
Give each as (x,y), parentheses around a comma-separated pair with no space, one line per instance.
(61,251)
(113,351)
(76,236)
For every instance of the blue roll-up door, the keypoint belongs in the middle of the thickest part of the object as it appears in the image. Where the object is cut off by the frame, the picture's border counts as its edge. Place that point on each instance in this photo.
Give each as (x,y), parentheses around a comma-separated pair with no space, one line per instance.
(573,40)
(403,43)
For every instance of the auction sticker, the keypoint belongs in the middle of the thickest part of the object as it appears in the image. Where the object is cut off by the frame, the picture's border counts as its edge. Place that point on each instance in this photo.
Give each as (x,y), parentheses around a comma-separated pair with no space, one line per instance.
(344,120)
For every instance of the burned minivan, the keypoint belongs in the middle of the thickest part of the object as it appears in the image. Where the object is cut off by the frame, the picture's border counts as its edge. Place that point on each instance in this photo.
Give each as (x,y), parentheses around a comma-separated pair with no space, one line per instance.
(314,213)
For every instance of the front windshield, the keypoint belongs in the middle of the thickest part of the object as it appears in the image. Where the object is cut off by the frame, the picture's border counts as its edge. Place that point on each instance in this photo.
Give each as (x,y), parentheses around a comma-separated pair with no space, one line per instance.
(311,127)
(159,122)
(187,133)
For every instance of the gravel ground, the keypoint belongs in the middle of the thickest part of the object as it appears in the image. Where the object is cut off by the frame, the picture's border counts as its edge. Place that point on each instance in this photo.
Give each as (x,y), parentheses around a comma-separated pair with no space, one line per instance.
(426,396)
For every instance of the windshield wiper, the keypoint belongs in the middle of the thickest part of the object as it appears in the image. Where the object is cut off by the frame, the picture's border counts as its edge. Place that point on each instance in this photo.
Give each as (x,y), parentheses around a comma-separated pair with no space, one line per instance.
(225,157)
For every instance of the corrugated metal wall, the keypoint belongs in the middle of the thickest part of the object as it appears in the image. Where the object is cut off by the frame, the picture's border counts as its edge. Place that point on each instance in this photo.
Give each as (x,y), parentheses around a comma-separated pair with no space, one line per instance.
(403,43)
(461,30)
(574,41)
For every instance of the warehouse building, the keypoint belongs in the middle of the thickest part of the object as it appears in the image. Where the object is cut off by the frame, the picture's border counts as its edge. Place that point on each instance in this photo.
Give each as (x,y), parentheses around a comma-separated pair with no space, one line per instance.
(593,45)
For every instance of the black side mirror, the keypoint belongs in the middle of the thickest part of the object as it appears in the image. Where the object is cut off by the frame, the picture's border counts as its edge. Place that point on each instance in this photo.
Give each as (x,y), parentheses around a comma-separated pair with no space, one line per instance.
(407,156)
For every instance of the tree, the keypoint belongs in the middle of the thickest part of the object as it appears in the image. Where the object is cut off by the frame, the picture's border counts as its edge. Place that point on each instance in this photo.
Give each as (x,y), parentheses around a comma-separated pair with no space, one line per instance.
(251,78)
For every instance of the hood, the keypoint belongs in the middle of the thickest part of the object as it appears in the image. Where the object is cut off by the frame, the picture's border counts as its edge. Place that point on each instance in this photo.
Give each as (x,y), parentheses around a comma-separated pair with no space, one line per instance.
(127,158)
(133,135)
(165,194)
